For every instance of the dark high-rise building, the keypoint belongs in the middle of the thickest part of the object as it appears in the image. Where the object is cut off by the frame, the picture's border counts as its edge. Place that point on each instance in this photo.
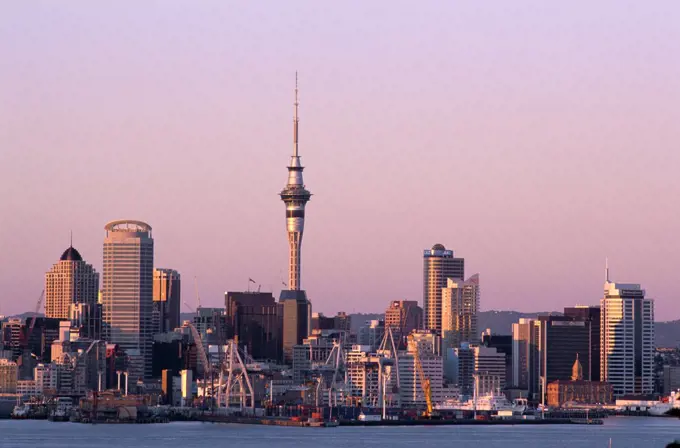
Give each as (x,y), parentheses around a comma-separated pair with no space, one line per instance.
(256,320)
(297,310)
(562,339)
(591,314)
(439,264)
(297,316)
(166,300)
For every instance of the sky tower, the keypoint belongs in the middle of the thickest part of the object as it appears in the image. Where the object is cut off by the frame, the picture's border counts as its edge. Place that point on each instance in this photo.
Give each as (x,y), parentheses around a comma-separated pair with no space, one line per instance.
(297,310)
(295,196)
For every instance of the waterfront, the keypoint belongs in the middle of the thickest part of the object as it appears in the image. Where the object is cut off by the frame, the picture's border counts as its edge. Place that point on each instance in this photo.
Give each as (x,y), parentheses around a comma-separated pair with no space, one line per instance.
(624,431)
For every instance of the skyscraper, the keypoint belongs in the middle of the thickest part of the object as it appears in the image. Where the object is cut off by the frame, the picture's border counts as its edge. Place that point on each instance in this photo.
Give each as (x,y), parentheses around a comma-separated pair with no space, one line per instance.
(590,314)
(402,317)
(297,310)
(627,338)
(460,305)
(127,292)
(439,265)
(166,300)
(256,320)
(71,292)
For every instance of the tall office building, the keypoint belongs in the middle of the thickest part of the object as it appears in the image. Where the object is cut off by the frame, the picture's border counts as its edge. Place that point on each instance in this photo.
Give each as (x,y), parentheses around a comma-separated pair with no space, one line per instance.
(166,300)
(127,292)
(297,310)
(460,305)
(590,314)
(525,359)
(257,321)
(402,317)
(561,339)
(627,339)
(72,292)
(439,265)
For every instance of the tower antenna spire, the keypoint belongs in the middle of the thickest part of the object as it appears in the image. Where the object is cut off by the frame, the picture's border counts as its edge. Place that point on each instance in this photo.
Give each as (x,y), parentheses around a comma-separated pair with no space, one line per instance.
(296,120)
(71,237)
(606,269)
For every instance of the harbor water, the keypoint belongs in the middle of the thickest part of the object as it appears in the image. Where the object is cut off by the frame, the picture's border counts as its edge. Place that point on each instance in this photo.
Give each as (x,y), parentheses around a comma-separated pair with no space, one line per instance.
(625,432)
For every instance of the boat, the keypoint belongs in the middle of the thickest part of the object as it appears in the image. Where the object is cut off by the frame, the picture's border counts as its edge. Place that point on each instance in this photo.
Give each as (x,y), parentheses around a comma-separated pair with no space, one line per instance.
(666,404)
(491,402)
(62,411)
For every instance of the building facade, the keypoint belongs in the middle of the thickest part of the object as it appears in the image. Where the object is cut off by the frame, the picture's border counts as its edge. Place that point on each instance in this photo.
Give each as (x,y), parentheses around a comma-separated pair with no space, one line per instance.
(460,305)
(403,317)
(590,314)
(256,320)
(439,264)
(9,375)
(72,292)
(166,300)
(627,339)
(127,292)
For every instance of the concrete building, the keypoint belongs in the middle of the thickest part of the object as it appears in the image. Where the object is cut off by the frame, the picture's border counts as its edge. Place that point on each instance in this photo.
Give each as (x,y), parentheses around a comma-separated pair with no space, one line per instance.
(485,363)
(627,339)
(670,379)
(166,300)
(525,359)
(439,265)
(502,344)
(9,375)
(127,292)
(411,392)
(460,305)
(577,391)
(73,283)
(403,317)
(367,375)
(371,334)
(311,356)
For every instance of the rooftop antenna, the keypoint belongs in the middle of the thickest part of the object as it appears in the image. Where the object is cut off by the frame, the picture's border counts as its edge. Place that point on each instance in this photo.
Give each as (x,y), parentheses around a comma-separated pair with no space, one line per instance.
(606,269)
(71,237)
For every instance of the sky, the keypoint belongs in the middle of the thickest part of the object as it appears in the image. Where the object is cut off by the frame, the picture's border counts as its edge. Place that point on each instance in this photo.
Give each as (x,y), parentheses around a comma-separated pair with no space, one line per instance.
(533,138)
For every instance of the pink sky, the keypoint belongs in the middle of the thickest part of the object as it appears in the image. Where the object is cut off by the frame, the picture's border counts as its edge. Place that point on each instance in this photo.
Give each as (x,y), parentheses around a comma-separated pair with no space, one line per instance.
(533,138)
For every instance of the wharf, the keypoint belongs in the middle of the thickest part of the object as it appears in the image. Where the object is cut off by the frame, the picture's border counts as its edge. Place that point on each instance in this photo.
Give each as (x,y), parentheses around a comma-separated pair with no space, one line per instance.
(208,418)
(264,421)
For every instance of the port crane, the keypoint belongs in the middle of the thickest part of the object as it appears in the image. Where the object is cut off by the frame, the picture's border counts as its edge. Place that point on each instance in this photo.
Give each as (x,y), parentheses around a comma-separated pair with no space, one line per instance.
(424,384)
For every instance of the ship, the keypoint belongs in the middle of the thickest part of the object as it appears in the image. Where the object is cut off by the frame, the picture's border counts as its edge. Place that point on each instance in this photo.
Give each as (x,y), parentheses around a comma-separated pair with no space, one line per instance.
(491,402)
(666,404)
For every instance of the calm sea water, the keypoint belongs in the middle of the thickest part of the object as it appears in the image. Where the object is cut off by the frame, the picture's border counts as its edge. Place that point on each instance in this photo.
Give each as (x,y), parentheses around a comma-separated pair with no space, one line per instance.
(624,432)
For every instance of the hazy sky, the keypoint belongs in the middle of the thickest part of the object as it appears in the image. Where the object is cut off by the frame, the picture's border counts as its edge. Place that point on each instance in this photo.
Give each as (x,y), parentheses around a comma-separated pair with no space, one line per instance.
(534,138)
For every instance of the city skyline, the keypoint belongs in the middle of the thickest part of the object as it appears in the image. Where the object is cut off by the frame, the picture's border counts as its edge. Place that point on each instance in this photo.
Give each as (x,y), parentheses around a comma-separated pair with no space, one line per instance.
(563,153)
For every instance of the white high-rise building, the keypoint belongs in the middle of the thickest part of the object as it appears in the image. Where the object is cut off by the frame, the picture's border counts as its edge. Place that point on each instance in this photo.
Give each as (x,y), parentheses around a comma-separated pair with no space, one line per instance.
(627,339)
(127,292)
(72,290)
(460,304)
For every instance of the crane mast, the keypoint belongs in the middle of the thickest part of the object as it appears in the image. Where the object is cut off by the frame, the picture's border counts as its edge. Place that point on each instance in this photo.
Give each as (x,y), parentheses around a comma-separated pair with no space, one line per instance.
(424,384)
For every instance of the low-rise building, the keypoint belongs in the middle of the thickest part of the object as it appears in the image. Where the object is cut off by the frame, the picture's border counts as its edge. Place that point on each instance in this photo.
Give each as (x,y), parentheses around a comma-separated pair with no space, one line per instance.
(9,373)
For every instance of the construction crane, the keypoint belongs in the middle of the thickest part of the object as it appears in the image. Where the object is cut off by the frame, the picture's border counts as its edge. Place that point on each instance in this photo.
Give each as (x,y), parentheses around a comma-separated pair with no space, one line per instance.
(200,348)
(424,384)
(198,297)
